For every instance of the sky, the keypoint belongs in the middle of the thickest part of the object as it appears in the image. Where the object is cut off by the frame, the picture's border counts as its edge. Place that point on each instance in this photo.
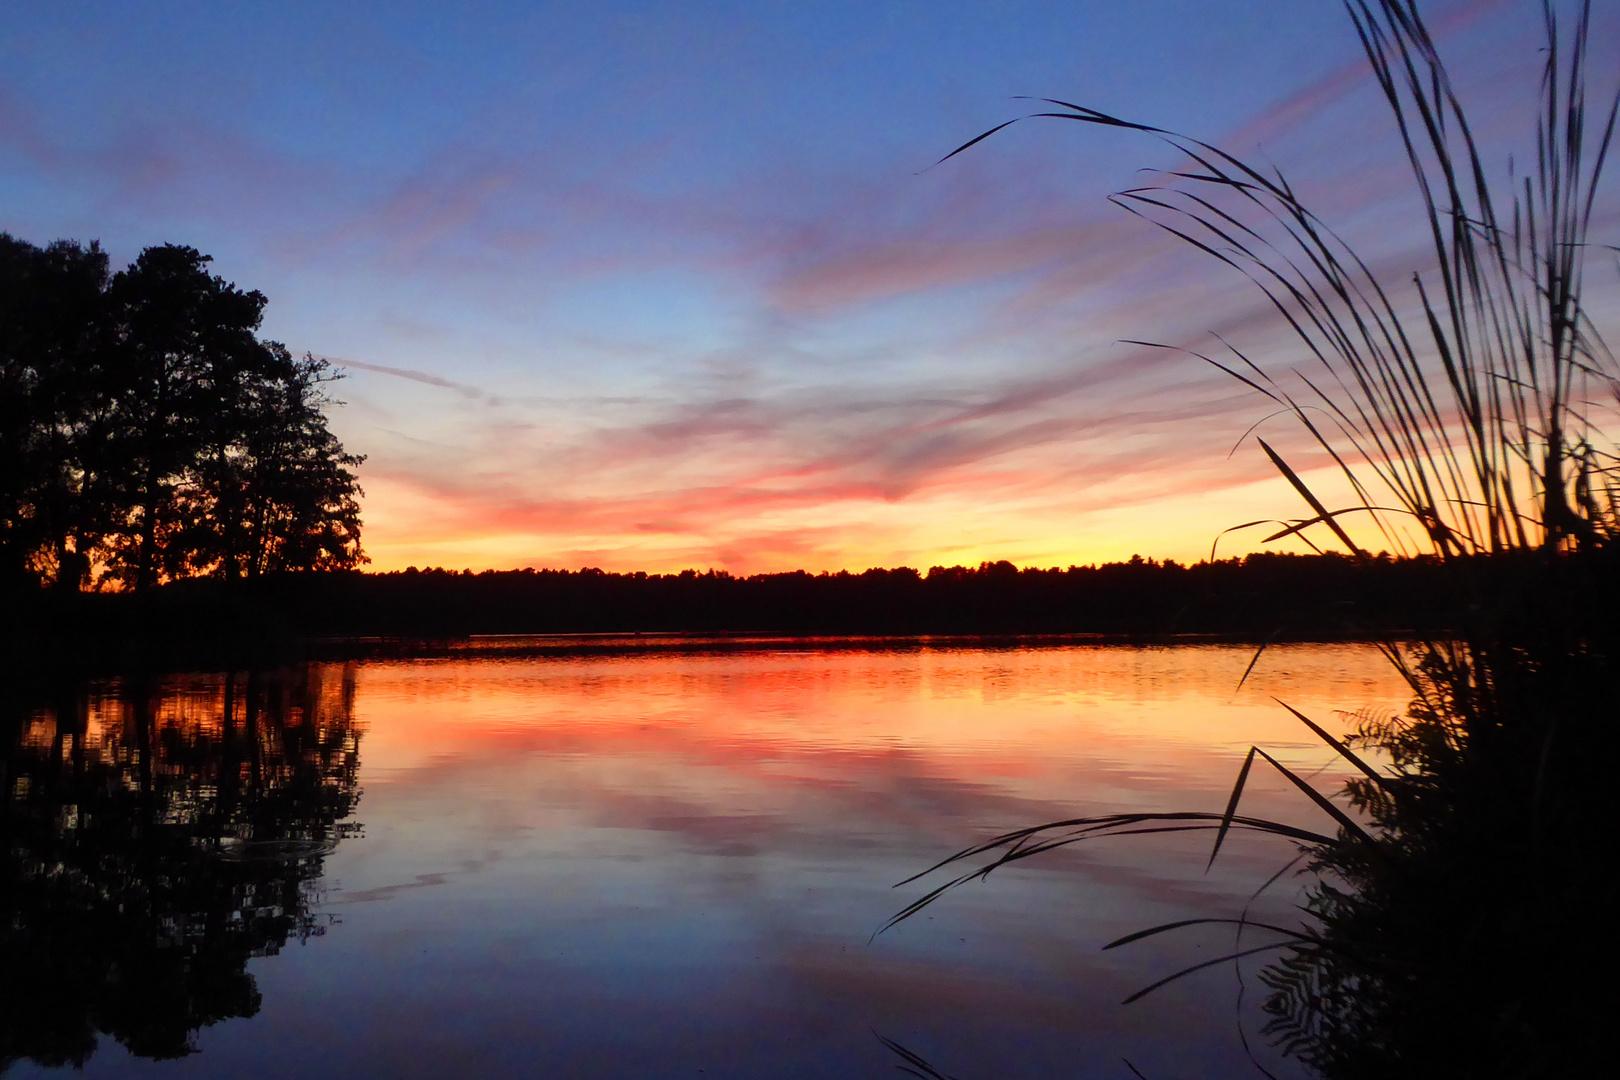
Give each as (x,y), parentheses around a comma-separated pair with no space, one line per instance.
(649,286)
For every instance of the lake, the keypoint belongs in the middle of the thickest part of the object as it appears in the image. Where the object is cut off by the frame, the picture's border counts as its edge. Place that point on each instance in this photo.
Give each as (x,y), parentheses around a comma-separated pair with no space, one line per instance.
(645,858)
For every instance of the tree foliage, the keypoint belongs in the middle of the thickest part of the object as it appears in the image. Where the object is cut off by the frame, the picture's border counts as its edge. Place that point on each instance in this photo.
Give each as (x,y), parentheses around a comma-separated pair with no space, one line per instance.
(148,434)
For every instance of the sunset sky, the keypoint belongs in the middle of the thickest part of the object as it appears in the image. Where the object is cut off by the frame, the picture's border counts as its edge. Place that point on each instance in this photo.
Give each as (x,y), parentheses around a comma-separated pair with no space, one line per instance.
(658,285)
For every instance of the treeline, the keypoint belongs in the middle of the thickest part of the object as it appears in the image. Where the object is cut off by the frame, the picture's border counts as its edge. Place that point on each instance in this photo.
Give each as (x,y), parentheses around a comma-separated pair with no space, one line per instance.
(148,435)
(1264,596)
(1261,594)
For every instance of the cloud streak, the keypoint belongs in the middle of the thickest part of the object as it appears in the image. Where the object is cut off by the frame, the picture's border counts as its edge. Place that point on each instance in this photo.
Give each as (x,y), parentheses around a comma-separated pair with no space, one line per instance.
(423,377)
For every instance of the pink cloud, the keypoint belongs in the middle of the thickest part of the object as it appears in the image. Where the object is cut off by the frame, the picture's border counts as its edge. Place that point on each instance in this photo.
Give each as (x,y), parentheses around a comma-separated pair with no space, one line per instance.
(957,466)
(912,264)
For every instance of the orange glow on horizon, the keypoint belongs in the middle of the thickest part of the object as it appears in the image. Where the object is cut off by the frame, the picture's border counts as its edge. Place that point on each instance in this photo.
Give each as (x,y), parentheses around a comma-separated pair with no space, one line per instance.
(408,526)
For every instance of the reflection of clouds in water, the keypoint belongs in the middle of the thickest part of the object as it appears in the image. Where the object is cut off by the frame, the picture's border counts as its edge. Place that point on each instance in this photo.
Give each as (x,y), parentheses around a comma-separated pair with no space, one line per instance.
(680,859)
(654,864)
(385,892)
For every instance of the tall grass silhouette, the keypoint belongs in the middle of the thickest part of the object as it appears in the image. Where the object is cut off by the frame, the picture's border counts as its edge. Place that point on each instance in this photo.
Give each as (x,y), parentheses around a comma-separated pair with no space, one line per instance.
(1469,411)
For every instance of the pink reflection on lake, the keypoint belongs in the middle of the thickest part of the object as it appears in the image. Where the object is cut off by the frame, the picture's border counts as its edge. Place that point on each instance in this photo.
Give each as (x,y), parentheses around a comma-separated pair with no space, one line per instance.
(671,864)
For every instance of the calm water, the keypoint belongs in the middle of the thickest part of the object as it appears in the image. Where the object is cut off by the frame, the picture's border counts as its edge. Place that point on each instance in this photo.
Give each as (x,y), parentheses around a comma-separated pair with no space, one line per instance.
(666,864)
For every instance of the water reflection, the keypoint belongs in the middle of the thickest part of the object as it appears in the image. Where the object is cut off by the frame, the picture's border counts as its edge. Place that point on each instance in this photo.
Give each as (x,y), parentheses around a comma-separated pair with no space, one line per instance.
(157,835)
(659,864)
(670,865)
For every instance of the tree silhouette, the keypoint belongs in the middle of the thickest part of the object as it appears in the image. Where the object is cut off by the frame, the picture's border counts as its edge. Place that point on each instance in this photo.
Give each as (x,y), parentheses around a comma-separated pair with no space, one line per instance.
(51,335)
(150,434)
(273,491)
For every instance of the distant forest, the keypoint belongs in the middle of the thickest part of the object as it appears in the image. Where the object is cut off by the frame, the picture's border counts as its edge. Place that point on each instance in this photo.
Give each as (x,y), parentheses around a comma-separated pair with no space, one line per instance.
(1256,598)
(1304,595)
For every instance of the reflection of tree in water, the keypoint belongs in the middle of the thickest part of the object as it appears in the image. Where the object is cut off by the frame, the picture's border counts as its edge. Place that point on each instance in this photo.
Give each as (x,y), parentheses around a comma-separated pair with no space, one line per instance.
(156,837)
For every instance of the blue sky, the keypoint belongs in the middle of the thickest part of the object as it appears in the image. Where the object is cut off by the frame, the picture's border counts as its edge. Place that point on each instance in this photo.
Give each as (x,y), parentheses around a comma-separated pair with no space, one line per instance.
(651,285)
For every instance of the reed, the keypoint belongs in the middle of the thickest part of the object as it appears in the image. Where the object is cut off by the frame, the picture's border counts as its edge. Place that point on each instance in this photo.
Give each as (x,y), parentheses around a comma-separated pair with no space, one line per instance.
(1469,412)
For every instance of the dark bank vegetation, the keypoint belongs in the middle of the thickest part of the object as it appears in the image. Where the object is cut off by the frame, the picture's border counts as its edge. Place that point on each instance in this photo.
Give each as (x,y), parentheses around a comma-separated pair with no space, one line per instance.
(1263,597)
(155,836)
(1456,923)
(148,435)
(1294,595)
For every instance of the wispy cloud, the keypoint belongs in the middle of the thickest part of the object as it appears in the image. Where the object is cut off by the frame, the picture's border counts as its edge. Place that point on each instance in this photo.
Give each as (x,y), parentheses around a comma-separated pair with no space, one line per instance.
(426,378)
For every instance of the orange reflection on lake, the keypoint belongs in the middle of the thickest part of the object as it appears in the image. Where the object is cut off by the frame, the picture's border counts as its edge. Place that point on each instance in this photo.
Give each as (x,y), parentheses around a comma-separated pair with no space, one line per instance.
(1027,717)
(656,862)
